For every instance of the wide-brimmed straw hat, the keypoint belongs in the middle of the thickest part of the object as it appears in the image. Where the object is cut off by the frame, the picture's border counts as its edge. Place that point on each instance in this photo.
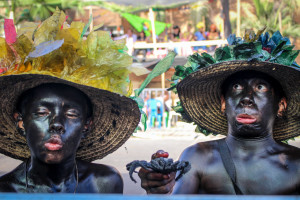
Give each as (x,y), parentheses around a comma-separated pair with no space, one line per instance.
(202,77)
(96,65)
(115,117)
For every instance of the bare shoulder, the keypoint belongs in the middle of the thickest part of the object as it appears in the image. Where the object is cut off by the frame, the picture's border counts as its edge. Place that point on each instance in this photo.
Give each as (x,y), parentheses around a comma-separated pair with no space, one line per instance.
(203,149)
(200,155)
(106,178)
(14,180)
(292,152)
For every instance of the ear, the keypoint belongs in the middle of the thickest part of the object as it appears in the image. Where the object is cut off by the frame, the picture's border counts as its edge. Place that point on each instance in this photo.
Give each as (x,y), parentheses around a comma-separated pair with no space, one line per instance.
(87,127)
(281,107)
(19,123)
(223,105)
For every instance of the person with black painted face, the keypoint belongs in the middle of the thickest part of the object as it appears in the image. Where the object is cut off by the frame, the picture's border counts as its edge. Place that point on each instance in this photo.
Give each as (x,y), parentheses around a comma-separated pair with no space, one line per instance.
(54,118)
(60,115)
(256,105)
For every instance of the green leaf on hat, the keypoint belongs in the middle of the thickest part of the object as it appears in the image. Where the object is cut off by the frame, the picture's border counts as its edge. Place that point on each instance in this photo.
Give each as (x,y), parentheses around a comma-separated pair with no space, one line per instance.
(295,64)
(286,57)
(178,108)
(265,55)
(246,51)
(278,48)
(179,70)
(208,58)
(223,54)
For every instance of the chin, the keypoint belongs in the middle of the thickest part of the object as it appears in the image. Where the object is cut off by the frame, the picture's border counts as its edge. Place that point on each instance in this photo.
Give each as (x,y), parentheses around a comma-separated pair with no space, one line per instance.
(52,158)
(248,130)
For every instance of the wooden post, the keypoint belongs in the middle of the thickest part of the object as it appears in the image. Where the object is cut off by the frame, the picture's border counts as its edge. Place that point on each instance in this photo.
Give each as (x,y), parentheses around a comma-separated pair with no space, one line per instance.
(152,19)
(238,21)
(163,81)
(91,14)
(280,22)
(163,95)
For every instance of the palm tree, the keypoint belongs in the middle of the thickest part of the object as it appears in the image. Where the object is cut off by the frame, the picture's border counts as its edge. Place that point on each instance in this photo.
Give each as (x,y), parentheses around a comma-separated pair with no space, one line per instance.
(277,15)
(39,10)
(227,25)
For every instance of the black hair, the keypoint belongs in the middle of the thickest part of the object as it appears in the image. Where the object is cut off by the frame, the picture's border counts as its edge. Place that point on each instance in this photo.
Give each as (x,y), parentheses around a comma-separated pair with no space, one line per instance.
(252,73)
(26,96)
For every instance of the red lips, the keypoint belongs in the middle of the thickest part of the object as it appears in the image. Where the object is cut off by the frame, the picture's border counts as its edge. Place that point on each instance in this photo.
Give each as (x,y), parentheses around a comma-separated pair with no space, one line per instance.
(245,119)
(54,144)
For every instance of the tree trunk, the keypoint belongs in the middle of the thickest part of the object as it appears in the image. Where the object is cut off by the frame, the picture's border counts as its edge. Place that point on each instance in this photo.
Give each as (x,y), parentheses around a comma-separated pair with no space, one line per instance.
(227,25)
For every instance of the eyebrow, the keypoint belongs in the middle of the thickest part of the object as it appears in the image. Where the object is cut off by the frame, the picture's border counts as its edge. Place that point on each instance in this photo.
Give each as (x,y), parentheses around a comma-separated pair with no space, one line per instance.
(47,103)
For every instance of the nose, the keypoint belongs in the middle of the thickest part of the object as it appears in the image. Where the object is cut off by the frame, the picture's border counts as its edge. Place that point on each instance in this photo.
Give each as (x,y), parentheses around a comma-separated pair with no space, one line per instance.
(247,101)
(56,126)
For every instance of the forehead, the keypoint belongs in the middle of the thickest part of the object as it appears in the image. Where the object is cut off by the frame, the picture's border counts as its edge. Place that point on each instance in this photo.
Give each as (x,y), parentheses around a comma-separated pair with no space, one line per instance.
(246,75)
(50,92)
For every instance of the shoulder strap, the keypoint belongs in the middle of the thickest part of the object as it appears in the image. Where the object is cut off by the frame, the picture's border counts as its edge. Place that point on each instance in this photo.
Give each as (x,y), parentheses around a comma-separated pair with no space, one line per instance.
(228,164)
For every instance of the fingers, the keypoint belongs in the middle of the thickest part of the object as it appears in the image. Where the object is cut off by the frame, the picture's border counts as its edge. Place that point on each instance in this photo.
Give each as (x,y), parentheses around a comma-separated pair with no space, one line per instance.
(164,189)
(143,173)
(156,183)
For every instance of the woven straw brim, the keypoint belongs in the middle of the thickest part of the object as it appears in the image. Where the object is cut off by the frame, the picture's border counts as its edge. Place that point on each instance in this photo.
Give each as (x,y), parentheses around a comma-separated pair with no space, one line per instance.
(115,118)
(200,95)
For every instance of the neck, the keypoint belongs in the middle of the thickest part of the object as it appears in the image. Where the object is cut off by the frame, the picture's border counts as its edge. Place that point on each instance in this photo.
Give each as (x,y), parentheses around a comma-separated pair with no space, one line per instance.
(48,174)
(250,145)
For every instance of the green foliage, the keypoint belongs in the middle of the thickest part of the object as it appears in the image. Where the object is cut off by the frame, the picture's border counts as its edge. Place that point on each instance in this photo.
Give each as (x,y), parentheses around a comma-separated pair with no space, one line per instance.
(35,10)
(159,68)
(268,13)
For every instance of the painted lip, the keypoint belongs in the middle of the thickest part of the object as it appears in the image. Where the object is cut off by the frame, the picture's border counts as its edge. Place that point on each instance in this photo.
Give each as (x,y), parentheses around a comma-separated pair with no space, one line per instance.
(245,119)
(54,144)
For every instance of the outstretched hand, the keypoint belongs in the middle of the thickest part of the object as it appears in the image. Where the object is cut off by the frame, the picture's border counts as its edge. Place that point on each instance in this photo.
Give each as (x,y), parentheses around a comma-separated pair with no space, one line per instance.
(154,182)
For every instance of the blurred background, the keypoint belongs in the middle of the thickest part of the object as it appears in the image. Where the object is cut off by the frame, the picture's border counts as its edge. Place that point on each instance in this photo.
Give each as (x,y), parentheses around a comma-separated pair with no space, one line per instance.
(152,28)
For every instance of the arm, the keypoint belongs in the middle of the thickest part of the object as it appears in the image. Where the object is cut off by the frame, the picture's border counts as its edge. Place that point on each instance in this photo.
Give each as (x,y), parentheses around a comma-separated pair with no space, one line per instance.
(111,182)
(156,183)
(190,182)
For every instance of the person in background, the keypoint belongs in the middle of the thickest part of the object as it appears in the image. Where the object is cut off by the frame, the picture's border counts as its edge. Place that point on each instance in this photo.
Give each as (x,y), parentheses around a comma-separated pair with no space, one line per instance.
(130,40)
(199,36)
(154,106)
(141,38)
(176,34)
(213,34)
(188,35)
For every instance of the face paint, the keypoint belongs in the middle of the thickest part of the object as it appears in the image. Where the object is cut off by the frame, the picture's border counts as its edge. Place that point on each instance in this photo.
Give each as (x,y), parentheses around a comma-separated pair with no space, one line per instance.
(251,105)
(54,120)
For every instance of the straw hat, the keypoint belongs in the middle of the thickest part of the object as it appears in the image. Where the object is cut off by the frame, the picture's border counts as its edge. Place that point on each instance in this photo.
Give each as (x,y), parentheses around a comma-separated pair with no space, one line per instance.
(96,65)
(201,78)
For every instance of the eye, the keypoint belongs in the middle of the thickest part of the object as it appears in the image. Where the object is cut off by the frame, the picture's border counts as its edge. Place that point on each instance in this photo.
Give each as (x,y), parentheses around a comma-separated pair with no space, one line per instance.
(41,112)
(72,114)
(238,86)
(261,88)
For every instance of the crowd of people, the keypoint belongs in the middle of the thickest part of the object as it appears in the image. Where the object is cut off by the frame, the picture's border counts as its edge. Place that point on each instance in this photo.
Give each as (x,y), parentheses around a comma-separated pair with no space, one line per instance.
(174,34)
(158,107)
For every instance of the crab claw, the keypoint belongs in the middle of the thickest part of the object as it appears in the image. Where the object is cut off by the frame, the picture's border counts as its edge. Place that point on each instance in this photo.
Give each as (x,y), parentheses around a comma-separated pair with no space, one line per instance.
(159,154)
